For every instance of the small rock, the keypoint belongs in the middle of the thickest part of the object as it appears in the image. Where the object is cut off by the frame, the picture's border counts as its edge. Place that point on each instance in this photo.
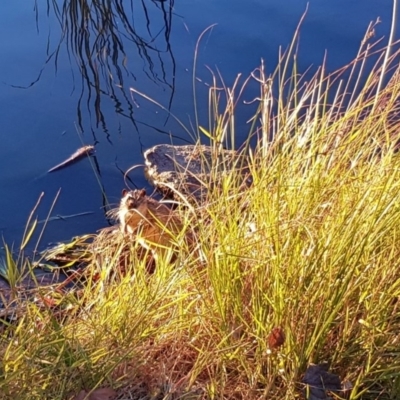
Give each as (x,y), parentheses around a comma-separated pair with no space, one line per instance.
(319,381)
(190,169)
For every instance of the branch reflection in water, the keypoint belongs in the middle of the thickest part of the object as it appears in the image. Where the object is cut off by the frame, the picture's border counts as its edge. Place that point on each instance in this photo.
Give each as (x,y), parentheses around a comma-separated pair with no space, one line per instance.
(96,34)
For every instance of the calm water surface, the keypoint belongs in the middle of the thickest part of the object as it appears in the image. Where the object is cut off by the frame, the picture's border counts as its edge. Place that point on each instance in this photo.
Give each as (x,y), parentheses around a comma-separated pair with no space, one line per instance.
(63,82)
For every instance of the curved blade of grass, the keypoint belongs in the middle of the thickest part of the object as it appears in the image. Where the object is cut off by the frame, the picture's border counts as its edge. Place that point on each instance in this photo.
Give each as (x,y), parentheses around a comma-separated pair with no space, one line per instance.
(28,235)
(24,241)
(11,271)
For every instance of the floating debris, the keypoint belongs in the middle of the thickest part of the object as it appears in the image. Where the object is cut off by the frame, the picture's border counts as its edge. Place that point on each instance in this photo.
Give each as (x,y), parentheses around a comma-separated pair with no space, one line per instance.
(78,155)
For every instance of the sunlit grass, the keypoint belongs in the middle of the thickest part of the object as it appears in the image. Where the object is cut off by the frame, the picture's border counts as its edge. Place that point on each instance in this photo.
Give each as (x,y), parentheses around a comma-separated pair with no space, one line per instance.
(310,248)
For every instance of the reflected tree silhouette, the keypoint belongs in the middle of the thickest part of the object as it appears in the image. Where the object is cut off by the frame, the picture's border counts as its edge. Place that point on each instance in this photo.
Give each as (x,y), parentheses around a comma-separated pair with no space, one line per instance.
(97,34)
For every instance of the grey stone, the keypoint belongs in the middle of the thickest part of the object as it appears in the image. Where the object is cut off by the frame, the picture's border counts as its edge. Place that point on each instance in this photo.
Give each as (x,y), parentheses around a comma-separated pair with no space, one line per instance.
(319,381)
(191,169)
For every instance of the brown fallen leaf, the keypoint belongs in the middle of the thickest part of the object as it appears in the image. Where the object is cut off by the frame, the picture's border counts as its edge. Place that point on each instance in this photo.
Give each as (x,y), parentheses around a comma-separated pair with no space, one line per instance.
(276,338)
(98,394)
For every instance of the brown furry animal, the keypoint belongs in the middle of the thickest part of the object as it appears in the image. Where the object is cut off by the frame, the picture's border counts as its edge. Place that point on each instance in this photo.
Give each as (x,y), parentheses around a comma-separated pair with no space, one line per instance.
(151,223)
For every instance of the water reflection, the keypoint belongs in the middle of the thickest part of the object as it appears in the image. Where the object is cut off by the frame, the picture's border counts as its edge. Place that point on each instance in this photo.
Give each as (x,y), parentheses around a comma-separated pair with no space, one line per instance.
(112,42)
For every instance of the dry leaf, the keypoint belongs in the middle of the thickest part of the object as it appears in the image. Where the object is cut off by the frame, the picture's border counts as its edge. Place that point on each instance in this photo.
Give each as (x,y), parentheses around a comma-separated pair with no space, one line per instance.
(276,338)
(98,394)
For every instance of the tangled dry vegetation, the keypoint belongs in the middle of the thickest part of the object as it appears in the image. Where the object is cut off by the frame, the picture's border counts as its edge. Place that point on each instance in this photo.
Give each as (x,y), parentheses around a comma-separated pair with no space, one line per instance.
(299,269)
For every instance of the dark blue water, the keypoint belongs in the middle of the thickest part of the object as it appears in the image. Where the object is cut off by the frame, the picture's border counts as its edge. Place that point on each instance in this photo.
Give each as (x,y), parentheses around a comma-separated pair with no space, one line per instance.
(64,83)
